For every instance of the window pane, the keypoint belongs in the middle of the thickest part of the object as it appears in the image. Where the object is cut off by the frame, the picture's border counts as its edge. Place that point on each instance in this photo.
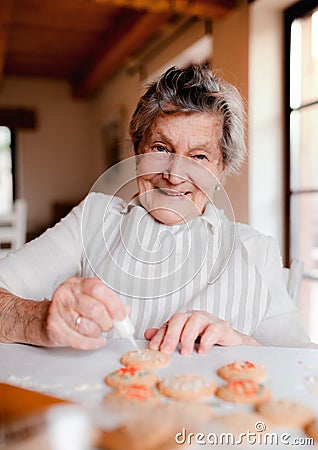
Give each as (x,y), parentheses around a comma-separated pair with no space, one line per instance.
(5,170)
(295,64)
(304,61)
(304,148)
(304,231)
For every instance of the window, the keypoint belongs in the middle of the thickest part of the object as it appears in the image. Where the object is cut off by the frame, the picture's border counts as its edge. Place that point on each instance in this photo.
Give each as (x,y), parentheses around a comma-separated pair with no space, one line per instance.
(6,169)
(301,21)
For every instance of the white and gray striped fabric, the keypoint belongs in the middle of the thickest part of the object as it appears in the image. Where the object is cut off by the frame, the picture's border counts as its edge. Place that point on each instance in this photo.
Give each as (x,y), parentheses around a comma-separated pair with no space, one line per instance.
(159,270)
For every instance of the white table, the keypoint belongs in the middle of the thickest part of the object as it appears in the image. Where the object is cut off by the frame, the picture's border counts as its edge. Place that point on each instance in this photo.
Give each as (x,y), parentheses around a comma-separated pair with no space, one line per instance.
(79,376)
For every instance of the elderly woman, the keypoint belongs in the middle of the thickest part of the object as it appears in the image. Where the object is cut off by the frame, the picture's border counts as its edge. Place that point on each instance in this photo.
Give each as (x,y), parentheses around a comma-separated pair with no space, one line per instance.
(178,265)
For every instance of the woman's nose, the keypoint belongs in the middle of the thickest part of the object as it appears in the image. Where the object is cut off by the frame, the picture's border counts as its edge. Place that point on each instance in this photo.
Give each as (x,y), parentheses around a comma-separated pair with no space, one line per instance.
(176,171)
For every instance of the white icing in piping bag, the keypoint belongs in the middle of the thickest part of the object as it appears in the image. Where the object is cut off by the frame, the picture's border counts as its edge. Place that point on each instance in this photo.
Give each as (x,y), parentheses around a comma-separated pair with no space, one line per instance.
(126,330)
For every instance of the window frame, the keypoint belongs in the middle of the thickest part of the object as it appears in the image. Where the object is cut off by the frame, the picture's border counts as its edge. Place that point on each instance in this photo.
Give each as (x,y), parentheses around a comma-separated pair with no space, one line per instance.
(12,146)
(297,10)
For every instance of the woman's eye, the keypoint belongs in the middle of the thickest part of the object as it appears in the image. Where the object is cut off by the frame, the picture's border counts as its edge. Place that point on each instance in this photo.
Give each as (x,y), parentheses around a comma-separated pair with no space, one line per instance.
(200,157)
(160,148)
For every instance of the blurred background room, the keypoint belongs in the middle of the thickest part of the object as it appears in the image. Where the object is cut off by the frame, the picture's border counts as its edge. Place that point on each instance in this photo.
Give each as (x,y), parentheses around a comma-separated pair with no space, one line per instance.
(71,72)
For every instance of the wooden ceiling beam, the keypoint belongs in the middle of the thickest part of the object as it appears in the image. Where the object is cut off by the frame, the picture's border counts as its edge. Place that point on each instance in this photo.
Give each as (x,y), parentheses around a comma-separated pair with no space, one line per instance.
(6,18)
(124,39)
(202,8)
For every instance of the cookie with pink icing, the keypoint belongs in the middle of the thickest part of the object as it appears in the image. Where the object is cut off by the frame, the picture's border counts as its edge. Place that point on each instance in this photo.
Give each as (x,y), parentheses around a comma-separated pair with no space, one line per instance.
(242,370)
(145,359)
(186,387)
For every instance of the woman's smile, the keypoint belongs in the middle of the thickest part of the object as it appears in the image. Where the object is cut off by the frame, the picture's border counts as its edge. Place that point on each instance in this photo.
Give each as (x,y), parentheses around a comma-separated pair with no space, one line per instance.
(173,193)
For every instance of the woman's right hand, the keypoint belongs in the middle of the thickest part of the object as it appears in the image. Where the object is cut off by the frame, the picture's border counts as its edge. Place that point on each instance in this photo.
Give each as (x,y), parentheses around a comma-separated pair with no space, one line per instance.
(80,310)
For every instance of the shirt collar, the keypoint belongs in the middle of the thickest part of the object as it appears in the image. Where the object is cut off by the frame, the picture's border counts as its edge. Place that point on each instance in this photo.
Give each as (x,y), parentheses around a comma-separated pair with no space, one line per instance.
(211,214)
(133,202)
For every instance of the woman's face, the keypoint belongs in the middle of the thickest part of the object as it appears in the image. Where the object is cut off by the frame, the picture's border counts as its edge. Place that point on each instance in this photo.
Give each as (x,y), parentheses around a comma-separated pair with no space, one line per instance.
(179,166)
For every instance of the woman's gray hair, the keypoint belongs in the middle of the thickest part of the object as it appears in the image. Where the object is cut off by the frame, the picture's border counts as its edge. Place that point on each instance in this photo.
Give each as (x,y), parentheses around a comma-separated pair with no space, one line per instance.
(190,90)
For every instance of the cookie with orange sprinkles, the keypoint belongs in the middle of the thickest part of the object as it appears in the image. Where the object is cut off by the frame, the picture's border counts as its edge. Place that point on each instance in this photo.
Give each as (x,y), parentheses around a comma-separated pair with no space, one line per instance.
(131,375)
(134,394)
(244,391)
(242,370)
(145,359)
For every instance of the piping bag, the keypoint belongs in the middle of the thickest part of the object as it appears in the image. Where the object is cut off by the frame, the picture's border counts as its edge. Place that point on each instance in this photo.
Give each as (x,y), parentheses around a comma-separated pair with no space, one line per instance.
(126,330)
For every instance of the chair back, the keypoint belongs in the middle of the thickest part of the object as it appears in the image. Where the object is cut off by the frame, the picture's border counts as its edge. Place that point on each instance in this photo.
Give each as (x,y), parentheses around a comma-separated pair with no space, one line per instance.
(13,227)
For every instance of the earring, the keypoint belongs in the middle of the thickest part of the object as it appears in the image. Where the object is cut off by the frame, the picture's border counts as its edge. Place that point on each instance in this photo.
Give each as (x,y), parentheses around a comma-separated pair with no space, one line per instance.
(217,187)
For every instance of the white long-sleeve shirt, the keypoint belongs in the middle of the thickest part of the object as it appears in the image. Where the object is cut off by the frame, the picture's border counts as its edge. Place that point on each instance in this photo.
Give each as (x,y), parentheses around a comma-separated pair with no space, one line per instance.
(209,263)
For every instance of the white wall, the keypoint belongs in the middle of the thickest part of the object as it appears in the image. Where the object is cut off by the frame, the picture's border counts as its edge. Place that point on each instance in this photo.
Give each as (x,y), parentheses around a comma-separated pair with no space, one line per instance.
(230,56)
(117,98)
(266,121)
(58,159)
(266,117)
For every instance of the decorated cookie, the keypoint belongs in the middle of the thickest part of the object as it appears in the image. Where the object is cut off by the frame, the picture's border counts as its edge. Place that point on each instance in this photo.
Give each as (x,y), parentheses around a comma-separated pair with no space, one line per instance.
(131,375)
(134,394)
(286,413)
(242,370)
(186,387)
(312,430)
(145,359)
(244,391)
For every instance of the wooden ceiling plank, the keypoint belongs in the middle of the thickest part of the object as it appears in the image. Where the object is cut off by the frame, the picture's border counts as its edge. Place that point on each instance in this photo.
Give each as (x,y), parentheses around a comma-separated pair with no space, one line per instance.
(6,19)
(203,8)
(6,12)
(36,41)
(113,56)
(71,15)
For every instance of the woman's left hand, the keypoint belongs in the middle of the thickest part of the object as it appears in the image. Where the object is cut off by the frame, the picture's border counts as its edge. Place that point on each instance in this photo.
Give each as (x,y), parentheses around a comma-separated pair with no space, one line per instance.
(187,327)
